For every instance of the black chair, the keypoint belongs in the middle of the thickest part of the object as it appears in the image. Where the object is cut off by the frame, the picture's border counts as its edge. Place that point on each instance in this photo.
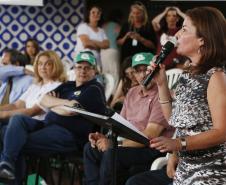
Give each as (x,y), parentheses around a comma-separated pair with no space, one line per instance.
(45,162)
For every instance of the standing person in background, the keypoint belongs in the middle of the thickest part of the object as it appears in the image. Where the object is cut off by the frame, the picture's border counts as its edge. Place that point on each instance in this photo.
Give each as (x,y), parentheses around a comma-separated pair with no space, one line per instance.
(137,35)
(166,24)
(31,50)
(200,103)
(90,36)
(110,57)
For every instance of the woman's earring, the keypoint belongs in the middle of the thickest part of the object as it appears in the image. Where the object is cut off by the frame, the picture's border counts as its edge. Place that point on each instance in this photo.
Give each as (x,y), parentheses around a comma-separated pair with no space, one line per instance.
(199,51)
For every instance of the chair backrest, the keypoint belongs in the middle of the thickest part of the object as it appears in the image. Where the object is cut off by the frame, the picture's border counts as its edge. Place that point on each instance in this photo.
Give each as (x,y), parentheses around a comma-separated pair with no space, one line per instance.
(109,85)
(172,76)
(161,161)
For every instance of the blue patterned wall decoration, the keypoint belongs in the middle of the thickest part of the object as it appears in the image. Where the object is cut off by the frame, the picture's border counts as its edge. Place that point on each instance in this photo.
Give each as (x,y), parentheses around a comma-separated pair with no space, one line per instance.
(53,25)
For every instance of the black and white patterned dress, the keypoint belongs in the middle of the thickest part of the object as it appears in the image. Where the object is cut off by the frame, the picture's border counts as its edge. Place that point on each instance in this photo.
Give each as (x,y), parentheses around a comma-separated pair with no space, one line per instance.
(191,116)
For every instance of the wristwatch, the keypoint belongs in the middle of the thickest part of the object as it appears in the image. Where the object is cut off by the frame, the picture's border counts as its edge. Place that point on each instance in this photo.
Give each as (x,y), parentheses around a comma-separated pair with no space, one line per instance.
(183,144)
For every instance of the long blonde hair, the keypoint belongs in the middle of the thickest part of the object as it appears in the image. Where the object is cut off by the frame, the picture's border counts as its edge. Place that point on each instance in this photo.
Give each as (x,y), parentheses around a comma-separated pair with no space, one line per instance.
(140,6)
(58,73)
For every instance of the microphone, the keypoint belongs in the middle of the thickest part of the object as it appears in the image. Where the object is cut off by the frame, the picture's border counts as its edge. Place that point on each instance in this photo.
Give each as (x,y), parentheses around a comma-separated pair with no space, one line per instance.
(165,51)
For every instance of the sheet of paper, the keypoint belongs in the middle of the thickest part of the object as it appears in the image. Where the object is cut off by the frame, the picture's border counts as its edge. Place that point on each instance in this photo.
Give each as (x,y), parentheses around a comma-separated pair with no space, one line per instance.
(83,112)
(123,121)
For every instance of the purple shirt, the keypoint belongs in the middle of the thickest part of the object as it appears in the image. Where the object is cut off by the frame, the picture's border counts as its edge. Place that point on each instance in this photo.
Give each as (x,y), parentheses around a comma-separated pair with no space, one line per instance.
(141,109)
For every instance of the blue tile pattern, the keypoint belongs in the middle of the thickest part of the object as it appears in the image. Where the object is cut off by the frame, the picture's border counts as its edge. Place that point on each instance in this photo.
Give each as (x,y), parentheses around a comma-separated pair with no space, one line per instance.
(53,25)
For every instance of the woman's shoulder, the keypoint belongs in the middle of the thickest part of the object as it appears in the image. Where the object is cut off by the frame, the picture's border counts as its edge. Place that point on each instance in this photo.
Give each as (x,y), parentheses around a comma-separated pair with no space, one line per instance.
(217,84)
(217,78)
(82,26)
(216,69)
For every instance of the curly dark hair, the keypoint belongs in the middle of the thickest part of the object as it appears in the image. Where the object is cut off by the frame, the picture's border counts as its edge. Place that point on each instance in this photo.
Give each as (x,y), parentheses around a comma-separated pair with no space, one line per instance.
(87,12)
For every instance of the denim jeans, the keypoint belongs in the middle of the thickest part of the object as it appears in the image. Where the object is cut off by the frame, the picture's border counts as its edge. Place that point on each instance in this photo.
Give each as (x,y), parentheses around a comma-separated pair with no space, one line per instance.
(30,135)
(155,177)
(98,165)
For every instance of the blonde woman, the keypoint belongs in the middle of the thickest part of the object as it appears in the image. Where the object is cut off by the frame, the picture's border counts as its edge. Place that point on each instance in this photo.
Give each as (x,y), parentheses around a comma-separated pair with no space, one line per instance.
(49,73)
(137,35)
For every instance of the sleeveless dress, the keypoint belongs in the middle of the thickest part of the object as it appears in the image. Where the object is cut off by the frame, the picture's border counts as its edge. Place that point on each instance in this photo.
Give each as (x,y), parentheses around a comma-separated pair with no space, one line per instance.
(191,116)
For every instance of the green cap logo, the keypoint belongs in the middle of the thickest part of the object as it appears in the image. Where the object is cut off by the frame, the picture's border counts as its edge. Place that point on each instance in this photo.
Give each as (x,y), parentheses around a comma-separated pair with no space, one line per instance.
(85,57)
(142,58)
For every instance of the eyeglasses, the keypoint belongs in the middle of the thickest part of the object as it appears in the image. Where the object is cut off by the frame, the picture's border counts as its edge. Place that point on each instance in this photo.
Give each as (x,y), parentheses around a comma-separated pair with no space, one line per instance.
(86,68)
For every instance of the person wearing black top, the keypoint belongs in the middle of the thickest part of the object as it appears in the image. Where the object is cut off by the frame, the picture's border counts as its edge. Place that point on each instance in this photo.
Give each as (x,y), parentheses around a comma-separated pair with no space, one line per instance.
(61,130)
(137,35)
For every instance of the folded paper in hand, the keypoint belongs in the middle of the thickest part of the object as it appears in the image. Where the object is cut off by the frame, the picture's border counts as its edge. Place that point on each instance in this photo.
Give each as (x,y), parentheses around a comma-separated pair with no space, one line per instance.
(115,122)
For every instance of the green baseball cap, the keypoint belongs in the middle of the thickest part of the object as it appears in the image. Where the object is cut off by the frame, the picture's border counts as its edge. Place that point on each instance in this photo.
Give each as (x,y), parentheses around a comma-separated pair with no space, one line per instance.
(85,57)
(142,58)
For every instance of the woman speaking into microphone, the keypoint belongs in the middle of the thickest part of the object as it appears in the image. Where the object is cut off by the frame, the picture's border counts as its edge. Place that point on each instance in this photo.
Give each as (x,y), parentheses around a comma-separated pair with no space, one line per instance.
(199,149)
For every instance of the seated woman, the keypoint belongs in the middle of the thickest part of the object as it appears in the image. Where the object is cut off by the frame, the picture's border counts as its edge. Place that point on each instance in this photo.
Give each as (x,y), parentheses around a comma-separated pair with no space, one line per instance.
(61,130)
(127,80)
(49,73)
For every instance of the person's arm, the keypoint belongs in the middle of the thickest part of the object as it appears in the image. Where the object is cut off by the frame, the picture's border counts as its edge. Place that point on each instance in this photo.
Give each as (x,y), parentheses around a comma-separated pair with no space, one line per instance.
(118,94)
(165,98)
(158,18)
(13,106)
(9,110)
(179,12)
(101,44)
(88,43)
(217,105)
(122,40)
(124,34)
(10,70)
(33,111)
(146,42)
(152,130)
(172,164)
(93,44)
(49,101)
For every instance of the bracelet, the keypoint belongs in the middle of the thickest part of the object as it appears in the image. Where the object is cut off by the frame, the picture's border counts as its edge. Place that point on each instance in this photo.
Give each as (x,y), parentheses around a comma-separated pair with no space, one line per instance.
(165,101)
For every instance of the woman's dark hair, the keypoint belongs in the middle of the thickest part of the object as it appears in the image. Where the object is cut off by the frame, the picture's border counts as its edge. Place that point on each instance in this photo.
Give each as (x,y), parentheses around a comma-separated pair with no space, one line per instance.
(125,80)
(163,22)
(210,25)
(16,57)
(87,13)
(36,46)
